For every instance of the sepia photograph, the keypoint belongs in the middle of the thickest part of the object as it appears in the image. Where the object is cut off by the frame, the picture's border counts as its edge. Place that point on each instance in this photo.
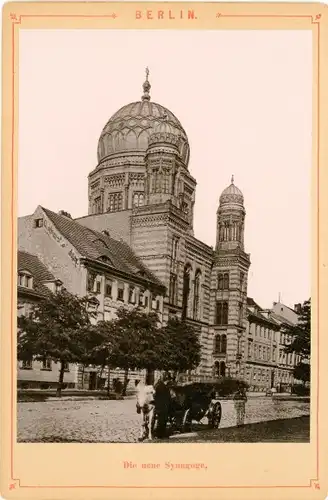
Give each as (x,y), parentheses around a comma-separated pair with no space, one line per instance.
(164,236)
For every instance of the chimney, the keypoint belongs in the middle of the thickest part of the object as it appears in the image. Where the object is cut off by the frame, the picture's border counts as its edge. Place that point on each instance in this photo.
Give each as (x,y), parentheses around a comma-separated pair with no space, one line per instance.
(65,214)
(105,232)
(298,308)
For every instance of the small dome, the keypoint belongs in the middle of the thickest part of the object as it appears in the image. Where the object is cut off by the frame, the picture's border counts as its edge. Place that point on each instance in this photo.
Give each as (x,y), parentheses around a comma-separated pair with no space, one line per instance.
(232,195)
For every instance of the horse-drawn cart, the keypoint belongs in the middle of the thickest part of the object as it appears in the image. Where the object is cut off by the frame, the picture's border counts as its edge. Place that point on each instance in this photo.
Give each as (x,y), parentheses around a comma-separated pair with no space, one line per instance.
(194,402)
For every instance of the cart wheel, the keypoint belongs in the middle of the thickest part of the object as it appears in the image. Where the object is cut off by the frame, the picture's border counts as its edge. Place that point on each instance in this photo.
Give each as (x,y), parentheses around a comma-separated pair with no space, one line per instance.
(215,418)
(186,422)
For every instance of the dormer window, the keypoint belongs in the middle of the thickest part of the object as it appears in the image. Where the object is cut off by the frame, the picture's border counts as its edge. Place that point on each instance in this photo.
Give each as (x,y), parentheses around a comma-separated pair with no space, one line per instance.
(105,259)
(25,280)
(38,222)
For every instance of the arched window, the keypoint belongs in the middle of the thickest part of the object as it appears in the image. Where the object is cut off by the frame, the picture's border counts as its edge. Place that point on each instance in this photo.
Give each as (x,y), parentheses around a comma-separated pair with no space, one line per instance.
(158,179)
(196,294)
(216,369)
(138,199)
(223,344)
(226,281)
(221,313)
(115,202)
(217,343)
(220,281)
(97,205)
(225,313)
(222,369)
(166,185)
(186,290)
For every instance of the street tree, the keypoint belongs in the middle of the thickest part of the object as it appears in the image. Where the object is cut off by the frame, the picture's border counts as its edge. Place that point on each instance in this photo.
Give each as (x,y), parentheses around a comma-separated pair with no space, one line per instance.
(301,342)
(181,346)
(139,342)
(55,329)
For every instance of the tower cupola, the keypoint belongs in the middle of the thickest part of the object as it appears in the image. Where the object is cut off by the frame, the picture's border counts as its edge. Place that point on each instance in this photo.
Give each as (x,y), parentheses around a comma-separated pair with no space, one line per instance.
(230,219)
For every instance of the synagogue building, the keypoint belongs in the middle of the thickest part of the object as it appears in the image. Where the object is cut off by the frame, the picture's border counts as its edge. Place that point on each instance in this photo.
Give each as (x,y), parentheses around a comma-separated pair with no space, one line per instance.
(136,246)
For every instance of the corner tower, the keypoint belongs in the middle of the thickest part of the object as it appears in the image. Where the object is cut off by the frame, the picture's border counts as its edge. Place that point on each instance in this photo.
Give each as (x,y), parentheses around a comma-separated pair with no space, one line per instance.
(229,285)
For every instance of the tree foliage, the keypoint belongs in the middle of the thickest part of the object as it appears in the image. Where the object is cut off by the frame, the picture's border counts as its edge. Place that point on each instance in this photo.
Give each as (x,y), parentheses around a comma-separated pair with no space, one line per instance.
(181,346)
(301,333)
(301,342)
(60,328)
(56,329)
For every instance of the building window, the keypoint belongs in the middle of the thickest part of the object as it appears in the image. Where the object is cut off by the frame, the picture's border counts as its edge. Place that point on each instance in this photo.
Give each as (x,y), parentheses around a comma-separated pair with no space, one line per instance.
(223,344)
(25,280)
(166,181)
(242,277)
(223,281)
(115,202)
(196,295)
(97,205)
(38,223)
(175,243)
(250,349)
(146,301)
(141,296)
(217,343)
(131,295)
(66,366)
(221,313)
(220,344)
(120,291)
(222,369)
(27,364)
(46,364)
(91,281)
(138,199)
(108,288)
(173,289)
(98,286)
(186,290)
(241,313)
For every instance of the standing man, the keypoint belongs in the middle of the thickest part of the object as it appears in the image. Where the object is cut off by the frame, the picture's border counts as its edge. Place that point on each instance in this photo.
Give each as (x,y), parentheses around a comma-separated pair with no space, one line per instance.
(240,399)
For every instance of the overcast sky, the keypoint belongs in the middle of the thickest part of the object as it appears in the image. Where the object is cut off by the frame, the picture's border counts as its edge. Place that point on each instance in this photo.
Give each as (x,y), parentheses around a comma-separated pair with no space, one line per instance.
(243,97)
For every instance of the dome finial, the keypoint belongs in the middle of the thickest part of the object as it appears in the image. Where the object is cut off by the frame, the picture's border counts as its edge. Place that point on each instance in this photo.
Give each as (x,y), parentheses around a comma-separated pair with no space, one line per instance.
(146,87)
(232,179)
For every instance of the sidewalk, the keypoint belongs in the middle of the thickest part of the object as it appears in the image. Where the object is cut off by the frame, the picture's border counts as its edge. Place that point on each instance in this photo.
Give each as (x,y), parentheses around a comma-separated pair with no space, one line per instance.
(290,430)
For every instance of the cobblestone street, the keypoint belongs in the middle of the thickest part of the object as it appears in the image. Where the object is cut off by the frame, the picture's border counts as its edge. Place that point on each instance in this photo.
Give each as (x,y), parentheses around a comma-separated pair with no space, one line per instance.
(117,421)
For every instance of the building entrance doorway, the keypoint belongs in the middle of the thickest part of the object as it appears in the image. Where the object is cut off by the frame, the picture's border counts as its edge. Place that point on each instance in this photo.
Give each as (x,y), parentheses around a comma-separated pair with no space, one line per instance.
(92,381)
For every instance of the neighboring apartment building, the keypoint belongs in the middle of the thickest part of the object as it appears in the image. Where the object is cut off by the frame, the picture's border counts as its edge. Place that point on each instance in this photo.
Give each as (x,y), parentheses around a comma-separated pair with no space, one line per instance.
(34,283)
(267,363)
(87,262)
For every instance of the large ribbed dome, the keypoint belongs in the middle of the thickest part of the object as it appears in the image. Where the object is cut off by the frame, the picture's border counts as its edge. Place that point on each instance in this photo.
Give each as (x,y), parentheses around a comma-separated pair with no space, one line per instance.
(130,127)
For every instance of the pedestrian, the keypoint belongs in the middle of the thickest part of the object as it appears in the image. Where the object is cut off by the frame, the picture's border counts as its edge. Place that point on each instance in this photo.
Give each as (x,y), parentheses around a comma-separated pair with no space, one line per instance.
(240,399)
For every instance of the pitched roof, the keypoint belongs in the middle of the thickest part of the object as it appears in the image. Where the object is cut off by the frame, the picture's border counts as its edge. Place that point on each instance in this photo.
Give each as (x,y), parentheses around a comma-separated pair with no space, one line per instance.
(95,245)
(251,303)
(281,319)
(31,263)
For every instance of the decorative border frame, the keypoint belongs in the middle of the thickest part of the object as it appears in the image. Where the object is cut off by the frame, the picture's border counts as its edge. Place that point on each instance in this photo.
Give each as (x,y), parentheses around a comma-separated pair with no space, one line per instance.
(17,19)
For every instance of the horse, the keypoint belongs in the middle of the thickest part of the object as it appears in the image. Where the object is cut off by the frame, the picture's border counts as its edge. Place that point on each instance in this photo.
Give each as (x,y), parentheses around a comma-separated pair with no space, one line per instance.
(146,408)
